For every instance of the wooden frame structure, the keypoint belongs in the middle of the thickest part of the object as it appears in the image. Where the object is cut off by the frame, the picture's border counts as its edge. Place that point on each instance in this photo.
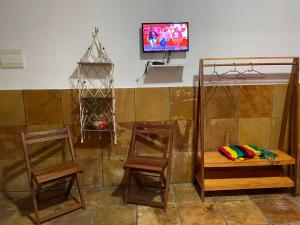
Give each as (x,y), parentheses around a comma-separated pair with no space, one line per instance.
(154,166)
(215,172)
(40,176)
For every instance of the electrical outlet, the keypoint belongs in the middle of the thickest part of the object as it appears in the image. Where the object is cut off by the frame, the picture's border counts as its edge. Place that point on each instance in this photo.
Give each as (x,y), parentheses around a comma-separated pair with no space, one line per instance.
(10,59)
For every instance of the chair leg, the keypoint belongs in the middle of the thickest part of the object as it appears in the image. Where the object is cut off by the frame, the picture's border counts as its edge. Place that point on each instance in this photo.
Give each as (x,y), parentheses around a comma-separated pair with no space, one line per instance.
(163,180)
(202,194)
(127,186)
(68,190)
(136,179)
(35,205)
(166,197)
(38,194)
(82,201)
(167,186)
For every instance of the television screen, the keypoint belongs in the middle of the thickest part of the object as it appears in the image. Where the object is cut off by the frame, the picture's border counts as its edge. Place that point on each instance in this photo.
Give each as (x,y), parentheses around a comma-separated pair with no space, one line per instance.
(160,37)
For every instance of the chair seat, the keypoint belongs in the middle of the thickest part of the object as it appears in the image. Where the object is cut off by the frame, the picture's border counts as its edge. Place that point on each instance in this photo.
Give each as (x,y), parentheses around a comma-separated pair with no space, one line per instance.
(49,173)
(146,163)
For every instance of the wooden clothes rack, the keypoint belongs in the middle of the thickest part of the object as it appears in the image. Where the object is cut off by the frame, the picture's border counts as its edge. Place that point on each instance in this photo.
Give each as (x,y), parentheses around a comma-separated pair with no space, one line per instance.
(215,172)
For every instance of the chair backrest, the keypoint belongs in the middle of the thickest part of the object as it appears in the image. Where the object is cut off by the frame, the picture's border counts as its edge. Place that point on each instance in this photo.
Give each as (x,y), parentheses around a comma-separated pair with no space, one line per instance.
(42,137)
(147,133)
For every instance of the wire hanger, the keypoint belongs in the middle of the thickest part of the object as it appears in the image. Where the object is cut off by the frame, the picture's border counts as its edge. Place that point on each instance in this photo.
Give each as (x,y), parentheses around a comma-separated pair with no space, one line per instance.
(252,70)
(214,73)
(235,71)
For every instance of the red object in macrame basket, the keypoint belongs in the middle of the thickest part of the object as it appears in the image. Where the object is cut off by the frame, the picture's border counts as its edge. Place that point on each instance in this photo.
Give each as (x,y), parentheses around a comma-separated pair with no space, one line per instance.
(102,124)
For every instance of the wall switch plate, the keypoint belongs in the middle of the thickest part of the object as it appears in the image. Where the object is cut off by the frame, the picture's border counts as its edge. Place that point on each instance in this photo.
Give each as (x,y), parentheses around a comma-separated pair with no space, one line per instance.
(11,59)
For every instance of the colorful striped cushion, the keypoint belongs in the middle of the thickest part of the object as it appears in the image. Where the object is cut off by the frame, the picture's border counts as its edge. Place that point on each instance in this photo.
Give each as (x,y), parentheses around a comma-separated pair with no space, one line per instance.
(243,152)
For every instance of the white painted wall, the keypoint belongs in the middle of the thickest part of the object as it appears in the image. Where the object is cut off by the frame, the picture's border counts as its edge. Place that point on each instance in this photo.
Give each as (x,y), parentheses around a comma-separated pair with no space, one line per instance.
(54,34)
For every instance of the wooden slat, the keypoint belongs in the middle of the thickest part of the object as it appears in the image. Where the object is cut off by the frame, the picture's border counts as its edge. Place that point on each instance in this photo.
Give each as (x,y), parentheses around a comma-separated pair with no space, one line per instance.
(95,64)
(42,133)
(45,139)
(46,174)
(153,131)
(146,163)
(247,183)
(243,172)
(248,64)
(245,58)
(215,159)
(141,125)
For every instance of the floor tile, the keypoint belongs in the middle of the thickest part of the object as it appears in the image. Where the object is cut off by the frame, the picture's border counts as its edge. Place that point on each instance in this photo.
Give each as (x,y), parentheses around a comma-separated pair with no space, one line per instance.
(241,212)
(204,213)
(113,169)
(22,201)
(185,193)
(92,172)
(229,196)
(154,216)
(6,203)
(115,215)
(111,196)
(78,217)
(279,210)
(25,218)
(105,206)
(149,195)
(294,223)
(92,198)
(268,193)
(296,199)
(182,167)
(5,216)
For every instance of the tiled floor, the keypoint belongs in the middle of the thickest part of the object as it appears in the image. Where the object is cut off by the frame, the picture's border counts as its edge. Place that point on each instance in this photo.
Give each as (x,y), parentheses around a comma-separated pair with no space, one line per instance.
(105,207)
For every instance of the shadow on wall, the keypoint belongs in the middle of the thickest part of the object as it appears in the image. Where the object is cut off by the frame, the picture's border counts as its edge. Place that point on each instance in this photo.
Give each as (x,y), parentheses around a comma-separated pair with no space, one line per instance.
(38,157)
(73,79)
(96,75)
(195,80)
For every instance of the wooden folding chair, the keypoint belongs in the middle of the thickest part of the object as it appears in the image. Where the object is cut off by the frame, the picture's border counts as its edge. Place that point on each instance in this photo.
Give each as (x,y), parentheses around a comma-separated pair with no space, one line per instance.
(41,176)
(138,165)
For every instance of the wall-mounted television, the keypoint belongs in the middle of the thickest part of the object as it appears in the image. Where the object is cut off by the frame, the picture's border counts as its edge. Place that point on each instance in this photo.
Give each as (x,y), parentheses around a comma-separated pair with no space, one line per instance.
(165,37)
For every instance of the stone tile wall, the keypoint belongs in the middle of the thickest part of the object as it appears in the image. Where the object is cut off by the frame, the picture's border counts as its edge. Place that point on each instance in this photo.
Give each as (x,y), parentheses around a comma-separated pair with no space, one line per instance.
(249,114)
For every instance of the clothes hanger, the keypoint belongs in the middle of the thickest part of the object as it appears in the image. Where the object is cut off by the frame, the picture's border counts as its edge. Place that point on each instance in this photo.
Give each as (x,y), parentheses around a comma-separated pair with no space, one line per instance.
(235,71)
(252,70)
(214,73)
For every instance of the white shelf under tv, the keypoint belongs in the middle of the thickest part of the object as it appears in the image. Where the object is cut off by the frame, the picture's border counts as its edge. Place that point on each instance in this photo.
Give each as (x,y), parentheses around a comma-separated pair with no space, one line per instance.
(168,65)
